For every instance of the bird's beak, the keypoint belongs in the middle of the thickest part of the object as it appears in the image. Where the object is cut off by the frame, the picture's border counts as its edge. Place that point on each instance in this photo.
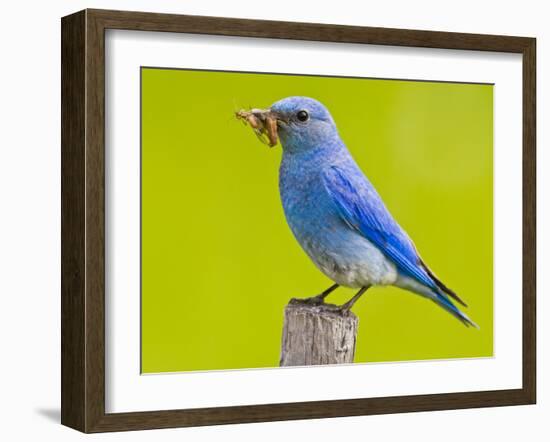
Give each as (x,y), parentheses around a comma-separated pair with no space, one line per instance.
(264,122)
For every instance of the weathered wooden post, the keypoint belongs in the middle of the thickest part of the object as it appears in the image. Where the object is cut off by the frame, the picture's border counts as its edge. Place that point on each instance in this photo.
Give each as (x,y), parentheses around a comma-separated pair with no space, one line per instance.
(317,334)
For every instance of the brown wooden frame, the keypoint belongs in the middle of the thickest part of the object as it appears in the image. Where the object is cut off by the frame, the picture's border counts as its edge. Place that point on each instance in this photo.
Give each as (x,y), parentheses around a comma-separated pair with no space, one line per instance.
(83,218)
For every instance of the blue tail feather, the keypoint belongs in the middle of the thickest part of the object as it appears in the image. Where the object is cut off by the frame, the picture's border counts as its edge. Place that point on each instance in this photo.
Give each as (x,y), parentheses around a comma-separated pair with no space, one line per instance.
(443,301)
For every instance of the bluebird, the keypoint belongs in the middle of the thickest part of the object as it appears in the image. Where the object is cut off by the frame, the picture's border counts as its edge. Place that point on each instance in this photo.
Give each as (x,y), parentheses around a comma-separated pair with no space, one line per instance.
(336,214)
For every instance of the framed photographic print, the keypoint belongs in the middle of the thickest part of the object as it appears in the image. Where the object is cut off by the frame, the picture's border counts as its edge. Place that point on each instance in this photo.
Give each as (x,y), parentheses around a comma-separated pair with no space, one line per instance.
(270,220)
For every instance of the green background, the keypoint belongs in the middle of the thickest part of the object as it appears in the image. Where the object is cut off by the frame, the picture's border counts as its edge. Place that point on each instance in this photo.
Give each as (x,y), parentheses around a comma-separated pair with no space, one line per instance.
(218,260)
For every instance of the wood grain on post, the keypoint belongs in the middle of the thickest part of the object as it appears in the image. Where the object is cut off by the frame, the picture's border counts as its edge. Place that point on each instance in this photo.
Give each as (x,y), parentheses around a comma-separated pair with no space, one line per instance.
(317,335)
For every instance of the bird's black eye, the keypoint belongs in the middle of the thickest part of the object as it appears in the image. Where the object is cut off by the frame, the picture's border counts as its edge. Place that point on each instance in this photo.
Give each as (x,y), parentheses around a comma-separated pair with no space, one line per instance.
(302,116)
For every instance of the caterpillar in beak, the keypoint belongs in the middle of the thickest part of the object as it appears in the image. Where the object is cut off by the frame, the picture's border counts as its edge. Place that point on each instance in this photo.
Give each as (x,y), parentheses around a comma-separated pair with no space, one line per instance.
(262,122)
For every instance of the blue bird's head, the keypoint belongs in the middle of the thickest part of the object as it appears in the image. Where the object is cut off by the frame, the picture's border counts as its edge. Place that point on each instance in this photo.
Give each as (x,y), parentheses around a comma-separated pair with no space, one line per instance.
(301,124)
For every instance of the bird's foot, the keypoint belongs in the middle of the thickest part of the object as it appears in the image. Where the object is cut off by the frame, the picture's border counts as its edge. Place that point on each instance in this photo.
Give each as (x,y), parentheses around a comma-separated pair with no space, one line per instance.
(314,300)
(344,309)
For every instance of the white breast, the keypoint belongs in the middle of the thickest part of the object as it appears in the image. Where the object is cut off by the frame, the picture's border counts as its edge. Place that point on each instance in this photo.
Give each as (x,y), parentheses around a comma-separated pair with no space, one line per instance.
(360,264)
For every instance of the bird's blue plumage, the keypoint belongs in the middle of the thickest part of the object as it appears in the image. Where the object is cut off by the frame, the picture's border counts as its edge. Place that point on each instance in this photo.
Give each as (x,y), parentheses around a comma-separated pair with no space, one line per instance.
(336,214)
(369,216)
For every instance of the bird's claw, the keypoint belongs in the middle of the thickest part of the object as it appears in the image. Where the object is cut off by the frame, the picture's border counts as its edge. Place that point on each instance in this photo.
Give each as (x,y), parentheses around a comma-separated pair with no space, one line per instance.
(314,300)
(344,309)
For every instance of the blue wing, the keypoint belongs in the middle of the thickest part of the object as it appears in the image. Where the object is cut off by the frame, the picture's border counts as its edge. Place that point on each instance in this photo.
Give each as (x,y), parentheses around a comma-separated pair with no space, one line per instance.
(362,209)
(360,206)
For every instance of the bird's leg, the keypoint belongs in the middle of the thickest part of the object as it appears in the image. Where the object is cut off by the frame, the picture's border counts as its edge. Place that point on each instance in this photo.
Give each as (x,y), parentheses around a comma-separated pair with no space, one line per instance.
(320,299)
(348,305)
